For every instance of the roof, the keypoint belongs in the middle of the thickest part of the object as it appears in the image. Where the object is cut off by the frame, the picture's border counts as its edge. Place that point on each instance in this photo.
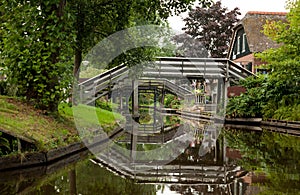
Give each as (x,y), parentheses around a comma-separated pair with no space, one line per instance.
(266,13)
(253,23)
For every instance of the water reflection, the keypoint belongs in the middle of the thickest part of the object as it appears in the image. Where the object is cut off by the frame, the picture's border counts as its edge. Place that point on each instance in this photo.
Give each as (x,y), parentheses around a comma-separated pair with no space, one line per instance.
(275,156)
(210,160)
(83,177)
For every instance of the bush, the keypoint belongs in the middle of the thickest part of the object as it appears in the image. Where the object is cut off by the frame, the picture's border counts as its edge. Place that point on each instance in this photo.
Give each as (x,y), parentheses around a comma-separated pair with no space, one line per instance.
(288,113)
(171,101)
(249,104)
(105,105)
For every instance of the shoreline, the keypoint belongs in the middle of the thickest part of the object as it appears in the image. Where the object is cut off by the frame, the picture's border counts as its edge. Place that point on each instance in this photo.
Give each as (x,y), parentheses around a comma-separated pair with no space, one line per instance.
(32,159)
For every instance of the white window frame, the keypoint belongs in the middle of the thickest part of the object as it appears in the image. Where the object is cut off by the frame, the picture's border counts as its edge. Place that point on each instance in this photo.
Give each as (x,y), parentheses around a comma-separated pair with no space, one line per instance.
(238,44)
(244,43)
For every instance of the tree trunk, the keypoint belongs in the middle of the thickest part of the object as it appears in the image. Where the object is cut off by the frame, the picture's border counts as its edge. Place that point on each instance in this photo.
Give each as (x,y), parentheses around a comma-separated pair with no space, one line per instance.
(79,45)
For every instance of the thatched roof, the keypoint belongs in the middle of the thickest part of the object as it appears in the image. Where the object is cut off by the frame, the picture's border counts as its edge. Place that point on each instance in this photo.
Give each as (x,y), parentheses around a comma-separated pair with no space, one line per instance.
(253,23)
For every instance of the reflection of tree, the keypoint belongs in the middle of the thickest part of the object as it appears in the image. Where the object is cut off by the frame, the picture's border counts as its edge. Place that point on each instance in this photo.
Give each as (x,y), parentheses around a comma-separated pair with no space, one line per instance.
(88,178)
(277,155)
(96,180)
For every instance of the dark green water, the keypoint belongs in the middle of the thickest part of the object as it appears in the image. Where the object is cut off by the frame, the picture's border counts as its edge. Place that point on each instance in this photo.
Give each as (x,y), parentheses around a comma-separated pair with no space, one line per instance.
(238,162)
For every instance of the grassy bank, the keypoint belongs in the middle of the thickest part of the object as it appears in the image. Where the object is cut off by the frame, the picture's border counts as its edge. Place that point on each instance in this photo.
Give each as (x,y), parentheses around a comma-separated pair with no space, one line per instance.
(48,131)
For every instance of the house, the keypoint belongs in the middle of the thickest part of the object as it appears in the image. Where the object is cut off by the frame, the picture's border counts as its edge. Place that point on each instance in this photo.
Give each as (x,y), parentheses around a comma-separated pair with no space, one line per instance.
(248,39)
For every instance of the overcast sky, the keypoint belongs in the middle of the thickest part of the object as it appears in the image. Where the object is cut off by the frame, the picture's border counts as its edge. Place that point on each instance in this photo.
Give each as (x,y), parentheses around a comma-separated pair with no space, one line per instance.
(245,5)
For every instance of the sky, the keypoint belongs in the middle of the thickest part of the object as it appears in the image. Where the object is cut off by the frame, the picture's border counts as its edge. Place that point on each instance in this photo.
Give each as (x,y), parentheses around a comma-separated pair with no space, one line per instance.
(245,5)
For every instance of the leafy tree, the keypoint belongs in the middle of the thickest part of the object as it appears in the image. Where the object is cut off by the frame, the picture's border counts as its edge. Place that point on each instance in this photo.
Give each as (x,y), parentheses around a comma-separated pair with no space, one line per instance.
(36,58)
(98,19)
(40,39)
(212,26)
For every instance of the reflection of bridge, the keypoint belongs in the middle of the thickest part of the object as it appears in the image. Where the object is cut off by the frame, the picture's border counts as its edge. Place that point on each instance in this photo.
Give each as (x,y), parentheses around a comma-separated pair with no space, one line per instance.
(188,167)
(166,74)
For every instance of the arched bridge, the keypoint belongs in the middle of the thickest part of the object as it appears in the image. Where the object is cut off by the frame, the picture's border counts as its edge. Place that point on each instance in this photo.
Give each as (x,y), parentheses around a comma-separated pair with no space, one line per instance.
(172,74)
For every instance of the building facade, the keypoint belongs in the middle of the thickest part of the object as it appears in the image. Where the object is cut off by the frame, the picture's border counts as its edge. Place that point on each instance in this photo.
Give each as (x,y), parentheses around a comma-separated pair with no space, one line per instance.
(248,39)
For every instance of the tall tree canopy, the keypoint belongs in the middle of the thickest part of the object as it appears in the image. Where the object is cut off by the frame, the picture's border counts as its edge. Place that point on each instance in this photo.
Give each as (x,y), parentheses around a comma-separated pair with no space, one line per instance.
(41,38)
(212,26)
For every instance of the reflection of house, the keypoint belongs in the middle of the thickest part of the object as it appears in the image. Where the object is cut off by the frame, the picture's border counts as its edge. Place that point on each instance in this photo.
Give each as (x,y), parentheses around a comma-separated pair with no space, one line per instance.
(248,39)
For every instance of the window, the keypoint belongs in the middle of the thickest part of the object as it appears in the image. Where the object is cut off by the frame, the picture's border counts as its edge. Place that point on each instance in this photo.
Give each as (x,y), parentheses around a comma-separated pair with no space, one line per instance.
(239,45)
(244,43)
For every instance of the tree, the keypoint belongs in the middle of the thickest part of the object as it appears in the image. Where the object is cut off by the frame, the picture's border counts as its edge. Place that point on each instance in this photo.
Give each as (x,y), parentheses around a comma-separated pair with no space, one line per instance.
(212,27)
(187,46)
(93,25)
(37,60)
(42,39)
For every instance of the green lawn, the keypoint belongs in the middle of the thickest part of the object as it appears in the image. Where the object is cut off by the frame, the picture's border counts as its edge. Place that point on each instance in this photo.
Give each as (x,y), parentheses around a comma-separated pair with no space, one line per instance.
(48,131)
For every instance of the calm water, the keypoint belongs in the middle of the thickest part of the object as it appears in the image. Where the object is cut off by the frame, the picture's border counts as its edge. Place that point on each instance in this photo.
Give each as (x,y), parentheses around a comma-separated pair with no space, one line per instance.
(172,157)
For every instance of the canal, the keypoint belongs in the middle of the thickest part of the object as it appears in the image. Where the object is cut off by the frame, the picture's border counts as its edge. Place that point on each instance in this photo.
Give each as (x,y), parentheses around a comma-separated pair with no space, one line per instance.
(171,155)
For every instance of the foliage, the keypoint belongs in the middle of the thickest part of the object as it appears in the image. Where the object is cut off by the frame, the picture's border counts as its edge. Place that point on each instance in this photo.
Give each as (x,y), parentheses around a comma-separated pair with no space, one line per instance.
(171,101)
(187,46)
(97,19)
(4,145)
(145,116)
(40,38)
(90,72)
(272,153)
(285,65)
(85,175)
(212,27)
(36,50)
(251,103)
(105,104)
(146,99)
(276,96)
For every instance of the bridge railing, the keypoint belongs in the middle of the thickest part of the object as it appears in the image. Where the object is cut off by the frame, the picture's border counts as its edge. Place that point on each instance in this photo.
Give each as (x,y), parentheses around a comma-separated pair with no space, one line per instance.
(174,67)
(100,83)
(165,68)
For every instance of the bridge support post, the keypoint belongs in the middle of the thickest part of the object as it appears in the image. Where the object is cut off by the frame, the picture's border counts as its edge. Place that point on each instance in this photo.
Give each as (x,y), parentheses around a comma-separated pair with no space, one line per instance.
(226,85)
(163,93)
(135,99)
(121,101)
(134,132)
(155,109)
(162,104)
(219,94)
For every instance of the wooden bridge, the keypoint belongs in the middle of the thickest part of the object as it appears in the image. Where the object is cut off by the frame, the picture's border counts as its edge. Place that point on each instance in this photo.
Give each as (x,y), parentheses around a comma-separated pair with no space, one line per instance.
(164,75)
